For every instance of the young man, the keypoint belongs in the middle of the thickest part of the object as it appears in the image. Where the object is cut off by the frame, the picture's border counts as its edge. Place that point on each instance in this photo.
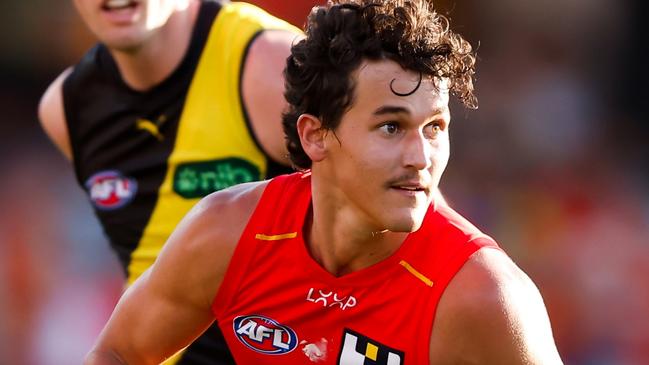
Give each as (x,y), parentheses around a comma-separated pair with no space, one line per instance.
(180,98)
(355,261)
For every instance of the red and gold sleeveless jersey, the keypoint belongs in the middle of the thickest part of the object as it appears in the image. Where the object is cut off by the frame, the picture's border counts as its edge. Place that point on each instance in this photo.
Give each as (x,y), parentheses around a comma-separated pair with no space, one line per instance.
(278,306)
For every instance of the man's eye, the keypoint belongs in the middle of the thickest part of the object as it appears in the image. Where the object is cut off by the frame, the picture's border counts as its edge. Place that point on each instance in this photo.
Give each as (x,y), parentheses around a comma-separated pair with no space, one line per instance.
(432,130)
(390,128)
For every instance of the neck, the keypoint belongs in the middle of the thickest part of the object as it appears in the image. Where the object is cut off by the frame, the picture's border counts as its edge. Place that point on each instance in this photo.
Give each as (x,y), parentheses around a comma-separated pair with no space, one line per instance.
(339,236)
(157,58)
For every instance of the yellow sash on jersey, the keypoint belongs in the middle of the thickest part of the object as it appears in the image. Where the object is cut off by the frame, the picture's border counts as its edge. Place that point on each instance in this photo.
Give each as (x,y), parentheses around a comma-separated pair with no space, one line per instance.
(212,125)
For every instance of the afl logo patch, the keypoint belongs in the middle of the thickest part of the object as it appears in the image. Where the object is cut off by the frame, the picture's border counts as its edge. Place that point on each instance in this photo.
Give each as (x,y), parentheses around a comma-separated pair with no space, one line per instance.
(110,190)
(264,335)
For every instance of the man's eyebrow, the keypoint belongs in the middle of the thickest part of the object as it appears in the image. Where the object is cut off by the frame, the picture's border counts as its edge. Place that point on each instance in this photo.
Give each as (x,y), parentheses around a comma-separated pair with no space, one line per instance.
(391,109)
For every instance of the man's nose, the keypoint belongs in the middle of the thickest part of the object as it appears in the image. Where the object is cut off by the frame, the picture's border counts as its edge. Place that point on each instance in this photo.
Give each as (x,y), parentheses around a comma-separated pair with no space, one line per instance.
(417,151)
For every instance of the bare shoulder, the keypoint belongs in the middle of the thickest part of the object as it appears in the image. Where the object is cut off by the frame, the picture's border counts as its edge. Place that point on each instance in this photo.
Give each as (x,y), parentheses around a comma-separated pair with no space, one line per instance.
(263,88)
(51,114)
(225,211)
(216,222)
(491,313)
(275,44)
(266,60)
(202,244)
(181,284)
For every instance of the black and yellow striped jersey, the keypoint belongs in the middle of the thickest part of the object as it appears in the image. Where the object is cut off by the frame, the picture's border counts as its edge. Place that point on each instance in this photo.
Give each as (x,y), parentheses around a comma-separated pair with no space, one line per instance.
(145,158)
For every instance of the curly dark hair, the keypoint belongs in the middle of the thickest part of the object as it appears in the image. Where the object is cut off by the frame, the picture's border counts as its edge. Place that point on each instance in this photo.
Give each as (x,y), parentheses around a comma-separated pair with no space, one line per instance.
(344,33)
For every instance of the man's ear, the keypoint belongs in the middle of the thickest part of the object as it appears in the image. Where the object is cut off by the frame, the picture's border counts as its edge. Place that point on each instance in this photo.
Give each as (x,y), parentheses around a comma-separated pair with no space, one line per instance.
(312,136)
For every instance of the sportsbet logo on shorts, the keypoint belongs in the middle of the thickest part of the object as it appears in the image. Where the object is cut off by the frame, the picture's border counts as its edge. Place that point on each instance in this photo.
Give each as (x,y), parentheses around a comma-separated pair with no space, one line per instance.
(197,179)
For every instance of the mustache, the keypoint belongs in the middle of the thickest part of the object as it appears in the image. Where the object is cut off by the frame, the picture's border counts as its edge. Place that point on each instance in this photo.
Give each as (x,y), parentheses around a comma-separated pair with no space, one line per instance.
(409,178)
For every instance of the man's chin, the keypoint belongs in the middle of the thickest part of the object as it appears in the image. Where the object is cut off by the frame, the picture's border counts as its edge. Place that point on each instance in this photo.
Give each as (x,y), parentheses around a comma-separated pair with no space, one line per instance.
(129,42)
(407,225)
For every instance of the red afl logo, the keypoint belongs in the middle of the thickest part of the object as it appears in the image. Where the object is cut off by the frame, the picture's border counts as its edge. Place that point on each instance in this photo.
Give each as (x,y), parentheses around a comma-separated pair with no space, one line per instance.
(264,335)
(110,190)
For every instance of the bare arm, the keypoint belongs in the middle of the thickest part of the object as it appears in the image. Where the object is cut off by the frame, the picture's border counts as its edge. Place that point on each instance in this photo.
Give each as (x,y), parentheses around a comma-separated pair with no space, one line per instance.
(52,115)
(263,89)
(170,304)
(492,313)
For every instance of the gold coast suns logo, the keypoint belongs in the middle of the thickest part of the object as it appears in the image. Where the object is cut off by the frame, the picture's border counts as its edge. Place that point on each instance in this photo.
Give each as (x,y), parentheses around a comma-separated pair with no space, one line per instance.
(361,350)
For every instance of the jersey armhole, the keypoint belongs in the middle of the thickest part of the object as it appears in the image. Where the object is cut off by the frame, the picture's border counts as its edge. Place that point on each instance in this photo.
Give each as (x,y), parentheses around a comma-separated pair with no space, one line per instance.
(67,96)
(244,251)
(443,276)
(273,168)
(244,109)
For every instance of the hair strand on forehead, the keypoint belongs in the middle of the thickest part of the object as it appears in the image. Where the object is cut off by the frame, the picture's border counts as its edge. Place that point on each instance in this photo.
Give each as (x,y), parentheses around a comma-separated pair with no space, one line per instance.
(408,93)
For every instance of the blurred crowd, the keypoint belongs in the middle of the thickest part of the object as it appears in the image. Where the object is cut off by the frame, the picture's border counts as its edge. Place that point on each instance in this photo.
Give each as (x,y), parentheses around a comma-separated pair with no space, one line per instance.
(553,165)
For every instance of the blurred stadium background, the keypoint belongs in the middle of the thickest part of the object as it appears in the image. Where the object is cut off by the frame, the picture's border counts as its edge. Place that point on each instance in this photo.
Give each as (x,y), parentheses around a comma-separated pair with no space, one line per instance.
(554,165)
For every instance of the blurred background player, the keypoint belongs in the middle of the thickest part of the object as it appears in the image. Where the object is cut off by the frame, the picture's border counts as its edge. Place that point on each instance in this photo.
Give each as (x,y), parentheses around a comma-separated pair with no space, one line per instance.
(178,99)
(355,261)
